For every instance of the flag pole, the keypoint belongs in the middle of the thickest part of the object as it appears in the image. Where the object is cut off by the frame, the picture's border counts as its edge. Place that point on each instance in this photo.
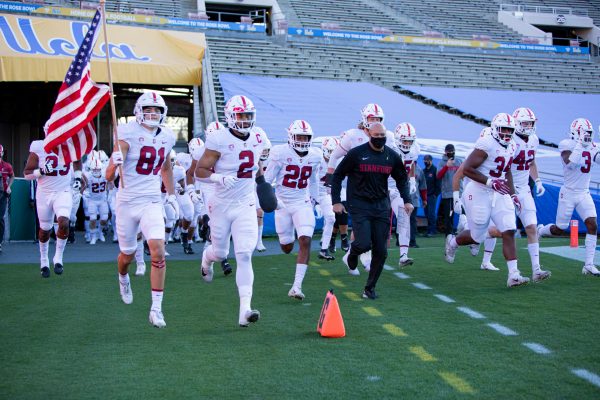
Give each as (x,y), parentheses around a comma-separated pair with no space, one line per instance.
(112,93)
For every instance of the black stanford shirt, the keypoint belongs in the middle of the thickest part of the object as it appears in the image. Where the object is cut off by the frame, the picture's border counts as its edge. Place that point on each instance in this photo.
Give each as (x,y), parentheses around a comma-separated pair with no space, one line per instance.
(368,171)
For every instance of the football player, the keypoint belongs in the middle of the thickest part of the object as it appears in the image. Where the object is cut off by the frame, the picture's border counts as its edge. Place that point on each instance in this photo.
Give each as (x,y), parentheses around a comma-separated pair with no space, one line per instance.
(144,152)
(54,197)
(97,202)
(328,145)
(294,167)
(578,153)
(490,195)
(186,207)
(264,160)
(231,161)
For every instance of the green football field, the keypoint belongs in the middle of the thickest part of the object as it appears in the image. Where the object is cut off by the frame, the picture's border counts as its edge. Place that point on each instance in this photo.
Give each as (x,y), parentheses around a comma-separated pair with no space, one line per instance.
(437,331)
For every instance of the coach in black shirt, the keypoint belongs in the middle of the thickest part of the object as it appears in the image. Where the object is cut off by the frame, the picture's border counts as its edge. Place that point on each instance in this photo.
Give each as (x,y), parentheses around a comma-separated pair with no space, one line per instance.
(368,167)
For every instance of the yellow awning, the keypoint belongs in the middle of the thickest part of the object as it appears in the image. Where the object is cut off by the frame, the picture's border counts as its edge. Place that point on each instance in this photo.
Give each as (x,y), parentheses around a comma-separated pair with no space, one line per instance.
(41,49)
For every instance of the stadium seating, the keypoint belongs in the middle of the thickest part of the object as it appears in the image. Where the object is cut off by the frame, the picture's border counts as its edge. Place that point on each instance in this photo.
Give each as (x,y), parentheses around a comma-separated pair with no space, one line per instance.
(592,7)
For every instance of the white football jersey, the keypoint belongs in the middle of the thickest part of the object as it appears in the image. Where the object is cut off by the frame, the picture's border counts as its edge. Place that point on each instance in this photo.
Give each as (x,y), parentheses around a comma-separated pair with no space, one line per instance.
(523,157)
(97,188)
(141,167)
(293,174)
(60,177)
(499,158)
(197,152)
(239,158)
(321,175)
(578,179)
(411,157)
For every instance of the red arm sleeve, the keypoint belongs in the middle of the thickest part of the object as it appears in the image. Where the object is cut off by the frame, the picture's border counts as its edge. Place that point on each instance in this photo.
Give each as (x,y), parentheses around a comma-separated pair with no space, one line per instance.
(424,194)
(442,172)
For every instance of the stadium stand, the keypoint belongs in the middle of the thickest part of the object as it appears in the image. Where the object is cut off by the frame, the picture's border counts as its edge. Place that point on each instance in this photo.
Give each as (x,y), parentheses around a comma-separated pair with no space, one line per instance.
(350,15)
(166,8)
(592,7)
(458,18)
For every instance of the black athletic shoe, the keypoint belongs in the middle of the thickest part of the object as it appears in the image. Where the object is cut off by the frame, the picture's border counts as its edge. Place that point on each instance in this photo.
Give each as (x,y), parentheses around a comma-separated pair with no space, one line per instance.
(226,267)
(45,272)
(345,244)
(332,246)
(369,294)
(187,249)
(71,238)
(324,254)
(58,268)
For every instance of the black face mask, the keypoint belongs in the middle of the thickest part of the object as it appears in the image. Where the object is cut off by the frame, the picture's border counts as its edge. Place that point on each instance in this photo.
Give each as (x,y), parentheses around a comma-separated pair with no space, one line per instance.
(427,164)
(378,142)
(450,156)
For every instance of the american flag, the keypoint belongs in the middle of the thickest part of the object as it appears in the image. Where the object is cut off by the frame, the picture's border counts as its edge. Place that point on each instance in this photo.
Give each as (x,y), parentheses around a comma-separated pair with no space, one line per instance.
(71,132)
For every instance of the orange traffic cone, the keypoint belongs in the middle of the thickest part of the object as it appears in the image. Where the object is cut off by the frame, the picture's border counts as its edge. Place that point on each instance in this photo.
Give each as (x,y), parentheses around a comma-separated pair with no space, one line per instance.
(331,323)
(574,233)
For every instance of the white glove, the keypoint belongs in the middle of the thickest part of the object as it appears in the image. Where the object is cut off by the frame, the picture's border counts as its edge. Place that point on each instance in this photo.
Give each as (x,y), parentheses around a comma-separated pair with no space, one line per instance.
(457,202)
(47,168)
(8,190)
(171,200)
(77,185)
(178,188)
(280,204)
(117,158)
(318,211)
(412,185)
(539,188)
(226,181)
(191,191)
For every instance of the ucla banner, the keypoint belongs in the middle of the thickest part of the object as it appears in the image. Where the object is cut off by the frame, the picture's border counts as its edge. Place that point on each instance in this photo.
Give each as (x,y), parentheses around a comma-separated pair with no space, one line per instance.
(41,49)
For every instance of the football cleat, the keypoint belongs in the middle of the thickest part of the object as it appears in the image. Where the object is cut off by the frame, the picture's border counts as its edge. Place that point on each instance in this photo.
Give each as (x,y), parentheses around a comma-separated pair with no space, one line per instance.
(489,267)
(516,280)
(249,316)
(226,267)
(157,319)
(540,275)
(126,293)
(45,271)
(590,270)
(141,269)
(450,252)
(206,268)
(405,261)
(101,236)
(352,271)
(260,247)
(296,293)
(324,254)
(93,240)
(474,249)
(58,268)
(370,294)
(332,246)
(365,260)
(345,245)
(187,248)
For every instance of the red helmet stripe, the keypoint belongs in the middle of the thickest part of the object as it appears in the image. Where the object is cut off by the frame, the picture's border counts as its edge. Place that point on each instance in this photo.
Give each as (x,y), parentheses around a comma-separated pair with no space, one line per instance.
(530,113)
(243,101)
(408,127)
(376,109)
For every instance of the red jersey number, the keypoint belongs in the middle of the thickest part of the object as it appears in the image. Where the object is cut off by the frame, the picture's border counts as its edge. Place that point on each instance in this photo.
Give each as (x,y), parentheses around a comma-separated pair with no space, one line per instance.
(522,161)
(501,168)
(586,157)
(247,165)
(147,164)
(297,177)
(53,161)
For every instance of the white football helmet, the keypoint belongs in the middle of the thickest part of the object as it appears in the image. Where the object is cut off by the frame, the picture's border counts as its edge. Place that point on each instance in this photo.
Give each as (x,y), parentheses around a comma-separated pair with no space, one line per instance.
(328,145)
(240,113)
(213,127)
(150,99)
(405,135)
(195,144)
(173,157)
(296,130)
(525,121)
(485,132)
(96,168)
(184,159)
(503,127)
(103,157)
(582,131)
(371,110)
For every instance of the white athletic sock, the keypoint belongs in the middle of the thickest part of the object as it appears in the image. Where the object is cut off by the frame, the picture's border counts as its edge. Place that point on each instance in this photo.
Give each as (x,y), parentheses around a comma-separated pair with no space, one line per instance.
(453,243)
(300,272)
(124,279)
(545,230)
(534,254)
(139,252)
(260,232)
(512,267)
(44,262)
(590,248)
(489,244)
(55,226)
(245,292)
(157,297)
(86,224)
(60,248)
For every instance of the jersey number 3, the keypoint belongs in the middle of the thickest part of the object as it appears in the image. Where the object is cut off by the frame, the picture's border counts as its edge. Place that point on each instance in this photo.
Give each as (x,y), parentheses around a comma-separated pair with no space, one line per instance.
(501,168)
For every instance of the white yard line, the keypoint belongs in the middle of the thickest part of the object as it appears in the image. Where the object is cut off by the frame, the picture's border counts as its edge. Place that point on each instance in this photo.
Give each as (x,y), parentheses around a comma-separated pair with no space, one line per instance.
(388,267)
(445,299)
(471,313)
(501,329)
(401,275)
(422,286)
(588,376)
(537,348)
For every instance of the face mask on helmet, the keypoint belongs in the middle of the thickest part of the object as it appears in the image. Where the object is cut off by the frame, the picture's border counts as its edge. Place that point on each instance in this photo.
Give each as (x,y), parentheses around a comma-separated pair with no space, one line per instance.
(300,135)
(96,172)
(582,131)
(371,113)
(240,114)
(525,121)
(173,158)
(328,146)
(150,110)
(503,127)
(404,136)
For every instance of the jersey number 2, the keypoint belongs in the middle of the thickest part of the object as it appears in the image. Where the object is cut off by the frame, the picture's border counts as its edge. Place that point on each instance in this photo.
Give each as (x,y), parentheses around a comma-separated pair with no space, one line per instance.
(298,178)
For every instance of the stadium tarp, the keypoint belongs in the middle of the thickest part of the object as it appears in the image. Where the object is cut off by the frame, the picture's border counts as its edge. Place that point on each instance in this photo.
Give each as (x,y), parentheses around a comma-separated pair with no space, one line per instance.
(41,50)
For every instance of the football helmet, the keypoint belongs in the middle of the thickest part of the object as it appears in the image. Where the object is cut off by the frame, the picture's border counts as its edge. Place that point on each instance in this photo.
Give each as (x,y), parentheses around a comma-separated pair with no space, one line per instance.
(213,127)
(405,136)
(195,144)
(96,167)
(150,99)
(240,113)
(328,145)
(184,159)
(1,151)
(173,157)
(485,132)
(266,147)
(371,110)
(525,120)
(503,127)
(103,157)
(582,131)
(300,128)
